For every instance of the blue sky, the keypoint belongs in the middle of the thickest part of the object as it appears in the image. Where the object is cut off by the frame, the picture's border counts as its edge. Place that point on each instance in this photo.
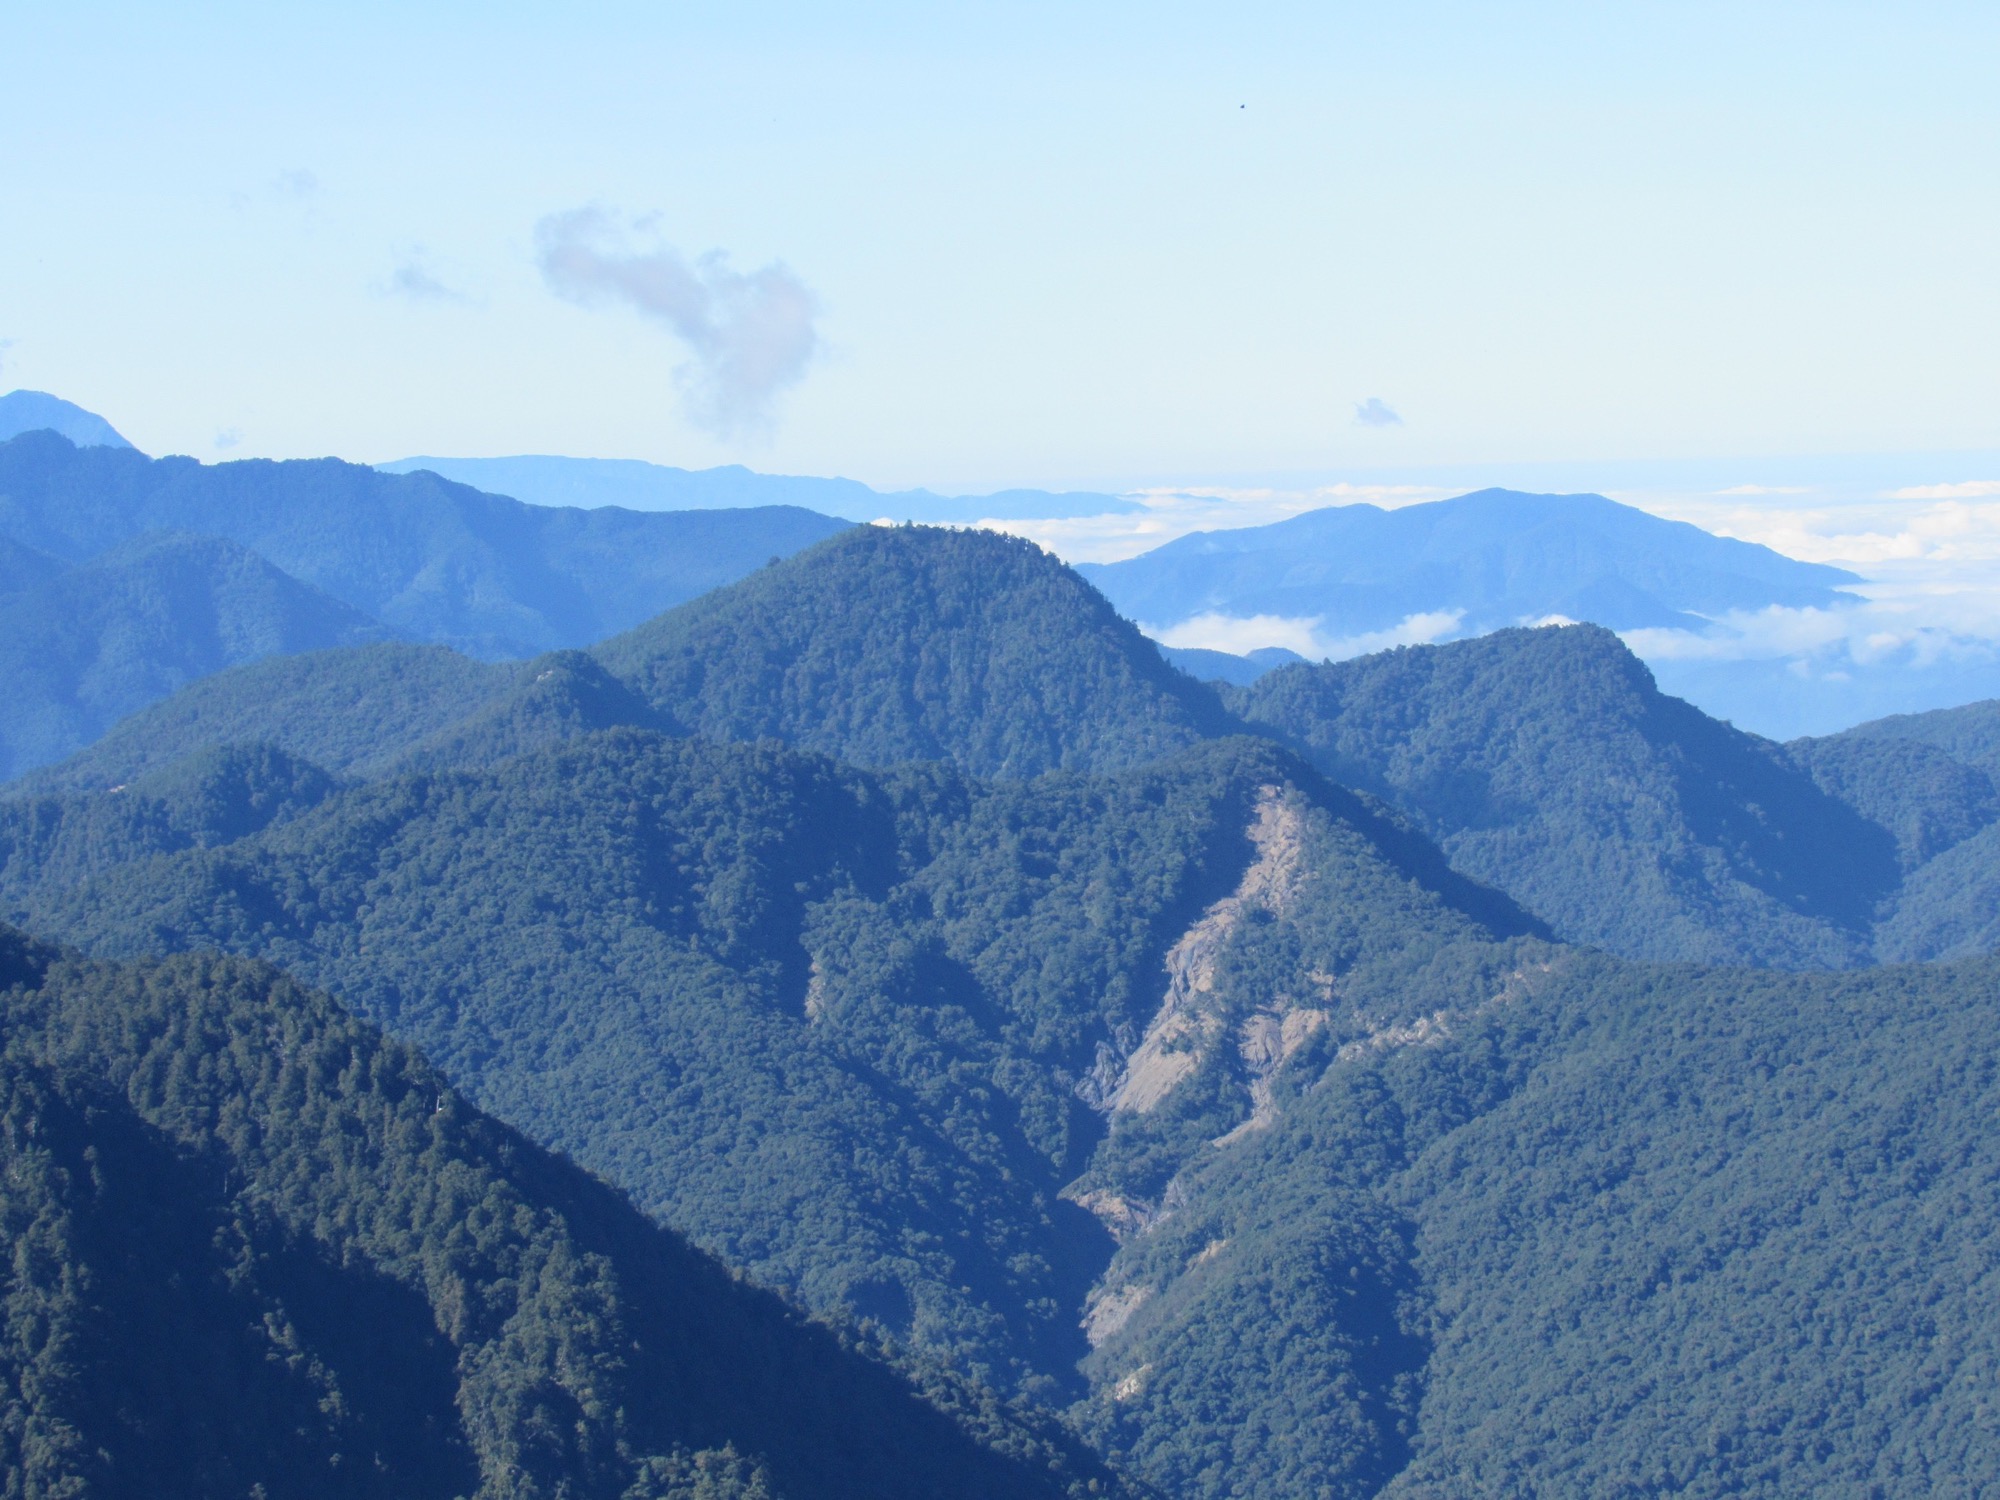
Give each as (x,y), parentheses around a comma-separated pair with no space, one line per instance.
(976,246)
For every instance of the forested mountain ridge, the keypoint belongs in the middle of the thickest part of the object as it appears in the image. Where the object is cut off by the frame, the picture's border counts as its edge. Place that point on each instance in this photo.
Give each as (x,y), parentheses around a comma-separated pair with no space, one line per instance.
(1546,763)
(348,711)
(825,1007)
(1198,1100)
(434,561)
(892,644)
(85,646)
(256,1249)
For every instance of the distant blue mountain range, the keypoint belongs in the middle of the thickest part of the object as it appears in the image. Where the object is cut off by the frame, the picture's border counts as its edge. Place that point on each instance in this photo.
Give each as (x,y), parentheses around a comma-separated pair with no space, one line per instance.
(1498,556)
(35,411)
(588,483)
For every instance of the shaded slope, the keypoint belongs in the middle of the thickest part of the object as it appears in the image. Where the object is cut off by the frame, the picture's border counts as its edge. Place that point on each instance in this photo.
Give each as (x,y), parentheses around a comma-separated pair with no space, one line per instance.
(893,644)
(1546,763)
(255,1248)
(22,567)
(349,711)
(435,560)
(1500,557)
(96,642)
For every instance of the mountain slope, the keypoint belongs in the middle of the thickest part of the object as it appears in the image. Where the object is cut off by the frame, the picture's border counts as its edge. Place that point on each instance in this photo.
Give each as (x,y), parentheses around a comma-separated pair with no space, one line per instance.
(37,411)
(1546,763)
(1615,1230)
(895,644)
(257,1249)
(349,711)
(854,1034)
(90,645)
(1497,557)
(436,561)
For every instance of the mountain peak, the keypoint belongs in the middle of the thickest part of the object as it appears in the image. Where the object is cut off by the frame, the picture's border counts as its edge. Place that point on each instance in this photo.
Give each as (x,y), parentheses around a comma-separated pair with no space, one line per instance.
(35,411)
(890,644)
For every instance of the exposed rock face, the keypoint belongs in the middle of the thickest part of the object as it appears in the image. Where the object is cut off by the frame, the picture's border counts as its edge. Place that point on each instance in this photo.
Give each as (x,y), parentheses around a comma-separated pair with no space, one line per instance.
(1187,1025)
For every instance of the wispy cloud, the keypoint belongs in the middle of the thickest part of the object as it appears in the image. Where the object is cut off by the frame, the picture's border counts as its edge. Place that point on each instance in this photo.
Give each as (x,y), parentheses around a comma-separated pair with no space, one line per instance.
(412,279)
(1765,489)
(752,334)
(228,437)
(1375,412)
(1973,489)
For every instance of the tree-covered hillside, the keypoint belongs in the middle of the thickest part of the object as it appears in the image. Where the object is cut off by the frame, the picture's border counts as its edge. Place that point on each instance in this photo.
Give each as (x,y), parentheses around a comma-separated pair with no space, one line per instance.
(433,560)
(852,1033)
(1546,763)
(85,647)
(1618,1230)
(251,1248)
(350,711)
(892,644)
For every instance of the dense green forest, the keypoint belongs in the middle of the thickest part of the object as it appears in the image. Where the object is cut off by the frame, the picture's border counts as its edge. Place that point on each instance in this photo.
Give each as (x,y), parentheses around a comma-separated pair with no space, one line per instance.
(1131,1088)
(893,644)
(255,1249)
(1546,762)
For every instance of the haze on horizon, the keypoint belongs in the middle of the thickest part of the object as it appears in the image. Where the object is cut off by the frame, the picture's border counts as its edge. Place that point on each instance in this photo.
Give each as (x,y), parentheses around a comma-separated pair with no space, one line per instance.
(1111,248)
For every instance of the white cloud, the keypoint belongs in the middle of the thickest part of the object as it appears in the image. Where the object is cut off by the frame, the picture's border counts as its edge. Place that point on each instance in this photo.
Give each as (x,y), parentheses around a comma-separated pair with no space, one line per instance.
(1972,489)
(1238,634)
(752,333)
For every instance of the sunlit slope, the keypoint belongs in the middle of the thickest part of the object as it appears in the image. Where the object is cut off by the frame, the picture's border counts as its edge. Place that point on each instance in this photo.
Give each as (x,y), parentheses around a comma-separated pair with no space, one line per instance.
(1547,763)
(892,644)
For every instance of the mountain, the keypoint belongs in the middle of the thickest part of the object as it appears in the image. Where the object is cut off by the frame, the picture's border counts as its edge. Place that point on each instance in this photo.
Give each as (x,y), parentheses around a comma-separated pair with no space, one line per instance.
(1614,1230)
(86,647)
(1363,1160)
(850,1032)
(1931,779)
(432,560)
(1545,762)
(254,1248)
(891,644)
(1490,559)
(1225,666)
(22,567)
(351,711)
(592,482)
(37,411)
(1969,734)
(1186,1098)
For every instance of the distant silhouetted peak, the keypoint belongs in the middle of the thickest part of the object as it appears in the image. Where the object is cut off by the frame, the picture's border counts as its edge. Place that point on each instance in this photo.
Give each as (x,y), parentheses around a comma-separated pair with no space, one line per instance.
(37,411)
